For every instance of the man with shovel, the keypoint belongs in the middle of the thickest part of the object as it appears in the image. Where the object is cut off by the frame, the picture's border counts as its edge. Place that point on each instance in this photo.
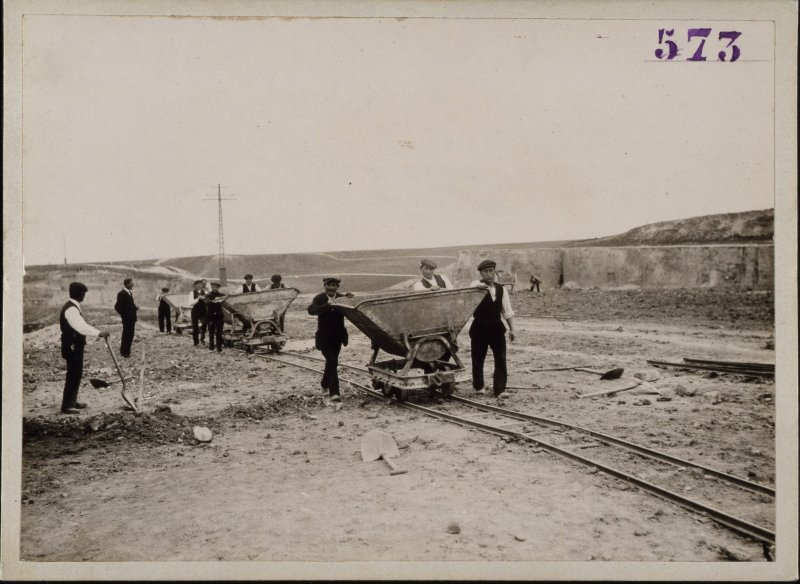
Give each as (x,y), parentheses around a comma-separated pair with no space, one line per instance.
(74,330)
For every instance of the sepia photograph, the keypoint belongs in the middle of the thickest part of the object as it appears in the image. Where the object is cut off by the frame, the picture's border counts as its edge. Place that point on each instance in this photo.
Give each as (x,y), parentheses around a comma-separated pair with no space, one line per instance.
(400,290)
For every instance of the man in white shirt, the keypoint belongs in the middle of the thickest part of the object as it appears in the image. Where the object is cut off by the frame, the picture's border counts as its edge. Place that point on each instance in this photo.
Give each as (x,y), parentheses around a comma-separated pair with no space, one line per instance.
(488,330)
(249,285)
(430,282)
(74,330)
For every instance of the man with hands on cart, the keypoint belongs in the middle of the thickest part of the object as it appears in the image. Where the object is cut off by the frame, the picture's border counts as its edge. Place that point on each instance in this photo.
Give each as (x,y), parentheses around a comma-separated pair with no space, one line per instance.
(488,330)
(331,333)
(215,317)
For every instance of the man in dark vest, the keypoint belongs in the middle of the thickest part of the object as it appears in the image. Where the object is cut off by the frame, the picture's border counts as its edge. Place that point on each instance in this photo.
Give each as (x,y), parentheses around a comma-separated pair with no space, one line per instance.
(126,308)
(164,313)
(535,282)
(74,330)
(430,282)
(488,330)
(331,333)
(248,285)
(276,284)
(215,317)
(195,300)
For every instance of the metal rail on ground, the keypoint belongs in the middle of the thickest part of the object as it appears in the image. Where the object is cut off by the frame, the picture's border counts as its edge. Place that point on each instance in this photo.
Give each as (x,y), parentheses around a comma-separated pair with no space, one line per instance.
(734,523)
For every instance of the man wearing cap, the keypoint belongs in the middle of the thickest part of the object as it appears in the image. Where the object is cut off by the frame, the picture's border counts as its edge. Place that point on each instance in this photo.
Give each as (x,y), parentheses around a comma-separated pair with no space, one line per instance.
(249,285)
(214,317)
(199,324)
(74,330)
(488,330)
(430,282)
(331,333)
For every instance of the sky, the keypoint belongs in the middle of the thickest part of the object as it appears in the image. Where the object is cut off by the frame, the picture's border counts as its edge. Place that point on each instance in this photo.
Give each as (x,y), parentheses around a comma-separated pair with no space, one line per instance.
(379,133)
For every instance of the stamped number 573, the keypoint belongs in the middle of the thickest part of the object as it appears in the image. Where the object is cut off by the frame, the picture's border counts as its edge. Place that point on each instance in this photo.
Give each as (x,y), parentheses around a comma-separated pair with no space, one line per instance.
(668,44)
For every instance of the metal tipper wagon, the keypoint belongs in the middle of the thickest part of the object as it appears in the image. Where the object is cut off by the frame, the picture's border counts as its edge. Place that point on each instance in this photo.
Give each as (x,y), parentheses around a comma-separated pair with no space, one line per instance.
(419,327)
(262,312)
(182,314)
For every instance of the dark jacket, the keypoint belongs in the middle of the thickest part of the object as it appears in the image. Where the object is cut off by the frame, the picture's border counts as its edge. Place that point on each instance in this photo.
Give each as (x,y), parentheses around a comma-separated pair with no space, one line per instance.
(330,322)
(125,306)
(214,309)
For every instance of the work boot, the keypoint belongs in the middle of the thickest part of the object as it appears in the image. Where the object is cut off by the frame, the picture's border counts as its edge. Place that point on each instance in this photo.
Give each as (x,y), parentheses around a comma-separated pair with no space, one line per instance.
(81,405)
(70,411)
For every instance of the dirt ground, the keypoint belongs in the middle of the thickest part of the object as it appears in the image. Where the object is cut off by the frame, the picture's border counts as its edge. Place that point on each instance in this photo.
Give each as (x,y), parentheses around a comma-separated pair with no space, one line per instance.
(283,479)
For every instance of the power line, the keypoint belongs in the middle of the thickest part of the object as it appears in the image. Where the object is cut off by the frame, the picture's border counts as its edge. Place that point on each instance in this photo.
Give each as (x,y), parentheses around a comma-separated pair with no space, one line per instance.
(223,279)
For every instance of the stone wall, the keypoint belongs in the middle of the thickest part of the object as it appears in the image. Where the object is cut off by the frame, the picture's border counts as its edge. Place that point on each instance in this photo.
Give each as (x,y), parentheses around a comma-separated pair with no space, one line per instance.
(690,266)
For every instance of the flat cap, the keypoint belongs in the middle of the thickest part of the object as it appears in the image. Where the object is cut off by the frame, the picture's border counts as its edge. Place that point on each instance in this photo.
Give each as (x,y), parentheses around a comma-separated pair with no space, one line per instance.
(327,279)
(248,276)
(428,263)
(196,282)
(486,264)
(215,284)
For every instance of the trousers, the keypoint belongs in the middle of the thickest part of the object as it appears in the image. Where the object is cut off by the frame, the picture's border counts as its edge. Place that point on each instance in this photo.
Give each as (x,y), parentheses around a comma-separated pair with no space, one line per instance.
(330,377)
(126,341)
(164,319)
(215,333)
(74,359)
(199,325)
(481,340)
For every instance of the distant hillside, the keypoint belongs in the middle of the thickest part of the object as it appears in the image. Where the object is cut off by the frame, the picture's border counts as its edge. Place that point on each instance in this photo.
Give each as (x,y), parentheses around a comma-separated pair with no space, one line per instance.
(746,227)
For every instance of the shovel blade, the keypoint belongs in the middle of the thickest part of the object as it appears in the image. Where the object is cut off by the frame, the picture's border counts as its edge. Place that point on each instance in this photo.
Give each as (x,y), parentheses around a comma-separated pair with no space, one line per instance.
(613,374)
(376,444)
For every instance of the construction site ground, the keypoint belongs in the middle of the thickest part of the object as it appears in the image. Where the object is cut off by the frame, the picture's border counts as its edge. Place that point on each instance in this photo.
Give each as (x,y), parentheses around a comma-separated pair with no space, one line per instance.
(282,478)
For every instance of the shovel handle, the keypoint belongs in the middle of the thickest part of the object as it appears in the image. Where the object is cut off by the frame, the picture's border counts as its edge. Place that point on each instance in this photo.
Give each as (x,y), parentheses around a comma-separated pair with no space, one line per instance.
(395,469)
(113,358)
(121,376)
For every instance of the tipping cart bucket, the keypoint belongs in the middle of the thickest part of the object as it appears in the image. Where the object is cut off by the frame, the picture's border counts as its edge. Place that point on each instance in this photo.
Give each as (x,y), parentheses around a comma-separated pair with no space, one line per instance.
(421,328)
(259,314)
(182,313)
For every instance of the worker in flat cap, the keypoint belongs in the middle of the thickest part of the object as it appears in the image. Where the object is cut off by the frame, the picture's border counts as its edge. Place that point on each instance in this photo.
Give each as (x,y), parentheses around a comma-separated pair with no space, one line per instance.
(430,282)
(249,285)
(199,322)
(488,330)
(74,330)
(331,333)
(215,317)
(276,283)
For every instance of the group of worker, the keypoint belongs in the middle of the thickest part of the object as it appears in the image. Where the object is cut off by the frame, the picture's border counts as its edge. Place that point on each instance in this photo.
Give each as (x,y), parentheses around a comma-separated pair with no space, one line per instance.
(492,319)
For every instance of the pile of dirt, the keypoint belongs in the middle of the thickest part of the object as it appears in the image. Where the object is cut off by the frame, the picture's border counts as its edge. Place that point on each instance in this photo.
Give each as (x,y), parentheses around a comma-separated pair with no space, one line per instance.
(160,427)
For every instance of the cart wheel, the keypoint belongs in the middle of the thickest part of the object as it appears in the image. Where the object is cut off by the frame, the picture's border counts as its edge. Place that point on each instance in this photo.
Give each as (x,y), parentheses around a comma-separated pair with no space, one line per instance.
(448,389)
(249,349)
(432,392)
(401,393)
(376,384)
(178,331)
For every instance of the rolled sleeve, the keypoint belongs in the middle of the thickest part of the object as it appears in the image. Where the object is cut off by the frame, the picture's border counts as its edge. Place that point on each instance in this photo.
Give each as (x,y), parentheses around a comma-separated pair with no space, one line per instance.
(507,311)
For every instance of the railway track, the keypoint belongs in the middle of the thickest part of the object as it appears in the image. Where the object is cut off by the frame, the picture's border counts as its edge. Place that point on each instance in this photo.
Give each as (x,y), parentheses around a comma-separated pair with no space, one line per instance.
(656,472)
